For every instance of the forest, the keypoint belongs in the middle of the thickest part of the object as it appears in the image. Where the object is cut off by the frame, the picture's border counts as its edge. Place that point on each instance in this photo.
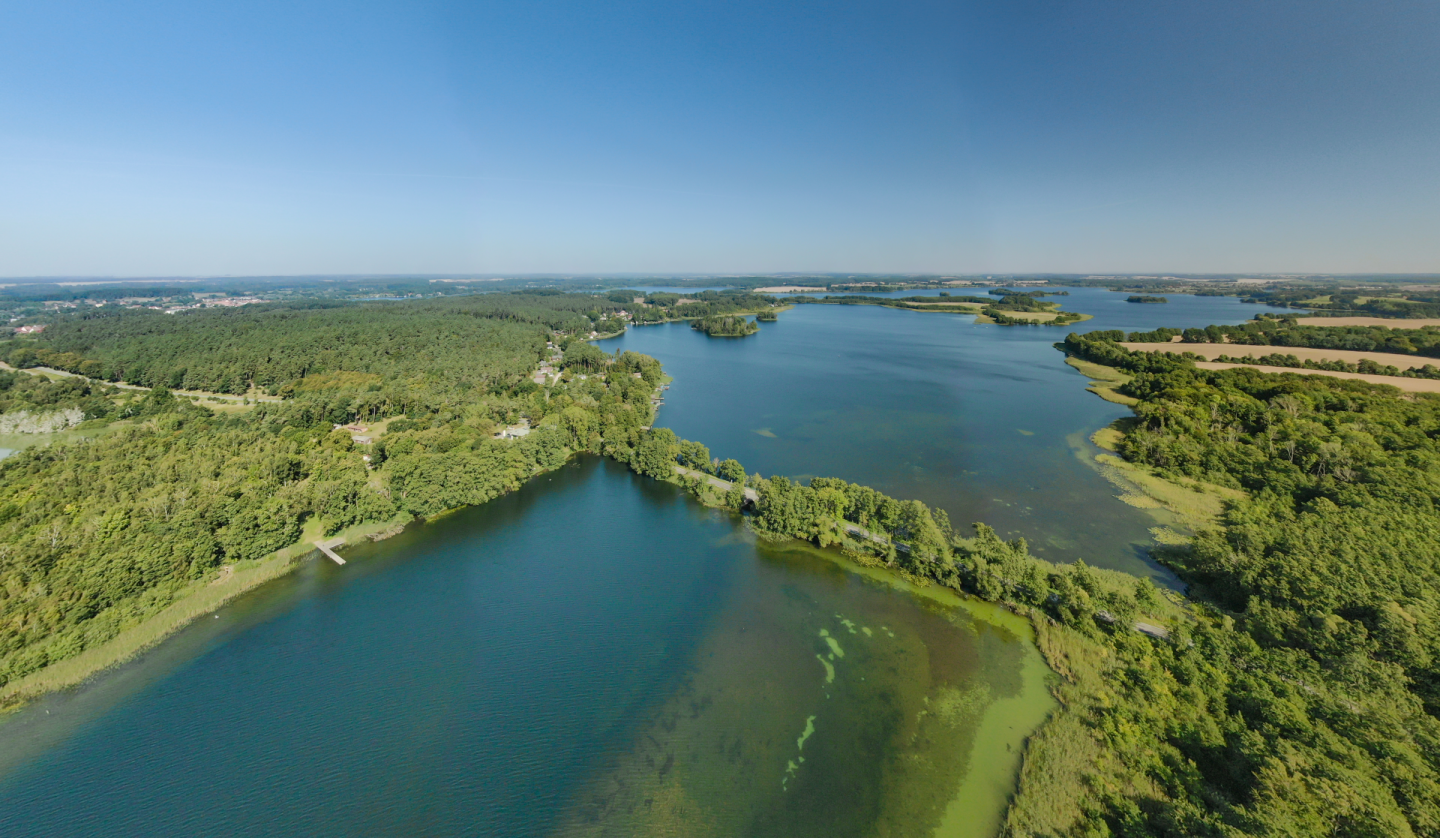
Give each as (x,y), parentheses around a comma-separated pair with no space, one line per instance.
(1329,300)
(1312,708)
(1295,693)
(1364,366)
(664,306)
(1297,689)
(97,535)
(725,326)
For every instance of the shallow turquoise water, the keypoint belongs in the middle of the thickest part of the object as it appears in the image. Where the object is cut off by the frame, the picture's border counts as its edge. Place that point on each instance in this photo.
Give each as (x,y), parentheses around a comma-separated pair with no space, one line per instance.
(597,655)
(544,664)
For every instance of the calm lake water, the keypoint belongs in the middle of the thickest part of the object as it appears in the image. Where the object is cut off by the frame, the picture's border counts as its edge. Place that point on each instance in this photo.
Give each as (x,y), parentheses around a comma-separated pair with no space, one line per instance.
(986,422)
(597,655)
(592,655)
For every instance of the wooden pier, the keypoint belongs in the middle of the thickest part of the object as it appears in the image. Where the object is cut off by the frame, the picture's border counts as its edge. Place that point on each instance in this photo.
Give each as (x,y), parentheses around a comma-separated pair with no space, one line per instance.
(327,547)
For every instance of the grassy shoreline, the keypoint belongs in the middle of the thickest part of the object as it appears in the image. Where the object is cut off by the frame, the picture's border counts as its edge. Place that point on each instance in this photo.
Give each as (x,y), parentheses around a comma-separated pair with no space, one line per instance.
(195,600)
(1050,757)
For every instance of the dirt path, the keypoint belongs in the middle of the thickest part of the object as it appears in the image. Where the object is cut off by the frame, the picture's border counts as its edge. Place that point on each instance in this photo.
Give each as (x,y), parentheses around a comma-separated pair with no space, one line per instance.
(189,394)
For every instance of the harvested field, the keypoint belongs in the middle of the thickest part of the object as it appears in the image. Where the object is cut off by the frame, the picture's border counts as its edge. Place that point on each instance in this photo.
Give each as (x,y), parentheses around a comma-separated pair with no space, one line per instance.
(1240,350)
(1410,385)
(1393,323)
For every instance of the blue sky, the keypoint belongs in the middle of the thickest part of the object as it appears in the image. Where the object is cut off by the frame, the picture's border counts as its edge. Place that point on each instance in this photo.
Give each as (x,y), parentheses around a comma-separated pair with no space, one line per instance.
(151,138)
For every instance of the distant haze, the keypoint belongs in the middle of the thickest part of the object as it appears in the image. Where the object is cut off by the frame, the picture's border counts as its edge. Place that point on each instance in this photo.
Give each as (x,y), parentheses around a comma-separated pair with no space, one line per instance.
(171,138)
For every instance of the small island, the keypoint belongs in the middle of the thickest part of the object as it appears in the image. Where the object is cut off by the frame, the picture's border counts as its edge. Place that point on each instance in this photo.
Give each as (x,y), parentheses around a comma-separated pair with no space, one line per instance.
(1145,298)
(725,326)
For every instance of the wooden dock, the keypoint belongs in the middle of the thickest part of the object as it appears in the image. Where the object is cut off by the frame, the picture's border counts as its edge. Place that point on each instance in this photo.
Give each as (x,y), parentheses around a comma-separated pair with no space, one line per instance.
(327,547)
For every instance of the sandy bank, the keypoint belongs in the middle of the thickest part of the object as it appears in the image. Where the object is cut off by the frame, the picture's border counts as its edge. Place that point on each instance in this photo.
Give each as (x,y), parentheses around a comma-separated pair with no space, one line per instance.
(1212,351)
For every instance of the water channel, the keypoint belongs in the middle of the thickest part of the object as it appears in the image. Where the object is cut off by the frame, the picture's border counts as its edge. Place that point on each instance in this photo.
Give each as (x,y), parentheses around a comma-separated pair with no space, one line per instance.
(596,654)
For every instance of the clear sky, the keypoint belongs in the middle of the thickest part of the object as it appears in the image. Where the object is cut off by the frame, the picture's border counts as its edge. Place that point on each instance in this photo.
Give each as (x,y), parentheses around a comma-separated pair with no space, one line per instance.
(153,138)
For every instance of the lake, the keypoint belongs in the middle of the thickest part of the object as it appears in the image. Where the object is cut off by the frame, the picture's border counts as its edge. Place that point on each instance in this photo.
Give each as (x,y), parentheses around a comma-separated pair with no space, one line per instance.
(986,422)
(594,654)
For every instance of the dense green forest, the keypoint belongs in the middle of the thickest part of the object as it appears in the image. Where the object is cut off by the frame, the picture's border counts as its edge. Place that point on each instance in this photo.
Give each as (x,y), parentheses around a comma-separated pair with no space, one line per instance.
(663,306)
(1145,298)
(23,393)
(1310,707)
(97,535)
(725,326)
(1296,696)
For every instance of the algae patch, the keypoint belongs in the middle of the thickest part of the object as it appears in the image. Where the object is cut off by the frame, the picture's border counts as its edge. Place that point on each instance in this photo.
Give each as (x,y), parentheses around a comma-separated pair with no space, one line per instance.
(806,734)
(793,765)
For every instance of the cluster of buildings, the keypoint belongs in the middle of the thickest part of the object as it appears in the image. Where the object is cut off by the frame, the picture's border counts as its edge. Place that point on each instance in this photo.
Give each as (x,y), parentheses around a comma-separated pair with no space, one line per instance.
(357,433)
(549,371)
(213,302)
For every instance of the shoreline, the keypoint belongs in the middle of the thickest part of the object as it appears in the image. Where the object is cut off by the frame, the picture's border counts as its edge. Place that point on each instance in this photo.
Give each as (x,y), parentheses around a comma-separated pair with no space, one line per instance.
(632,324)
(196,600)
(1190,507)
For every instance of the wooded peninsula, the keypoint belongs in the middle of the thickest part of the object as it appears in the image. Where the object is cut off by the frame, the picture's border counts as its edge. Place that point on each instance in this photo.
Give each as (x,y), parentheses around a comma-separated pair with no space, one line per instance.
(1295,690)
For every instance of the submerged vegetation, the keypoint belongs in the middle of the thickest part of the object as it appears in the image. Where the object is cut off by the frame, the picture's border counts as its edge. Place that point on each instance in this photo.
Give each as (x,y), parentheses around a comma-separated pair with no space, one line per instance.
(1295,694)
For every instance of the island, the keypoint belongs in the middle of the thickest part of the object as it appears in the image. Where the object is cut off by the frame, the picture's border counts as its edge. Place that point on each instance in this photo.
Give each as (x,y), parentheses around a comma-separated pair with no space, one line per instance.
(726,326)
(1301,671)
(1145,298)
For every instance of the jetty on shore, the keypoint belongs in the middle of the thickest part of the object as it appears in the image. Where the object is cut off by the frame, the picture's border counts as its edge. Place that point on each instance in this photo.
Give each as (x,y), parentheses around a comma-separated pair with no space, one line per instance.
(328,548)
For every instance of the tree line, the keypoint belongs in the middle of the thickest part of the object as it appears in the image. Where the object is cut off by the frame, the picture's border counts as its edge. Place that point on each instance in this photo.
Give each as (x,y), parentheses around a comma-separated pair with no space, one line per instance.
(1268,330)
(1312,709)
(97,535)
